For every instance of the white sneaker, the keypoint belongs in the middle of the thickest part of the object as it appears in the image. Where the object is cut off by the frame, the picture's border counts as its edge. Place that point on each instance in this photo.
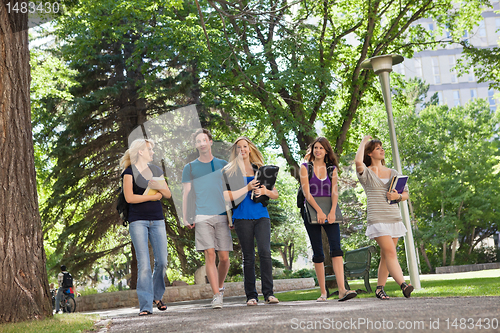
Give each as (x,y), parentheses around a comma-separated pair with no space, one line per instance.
(221,291)
(217,301)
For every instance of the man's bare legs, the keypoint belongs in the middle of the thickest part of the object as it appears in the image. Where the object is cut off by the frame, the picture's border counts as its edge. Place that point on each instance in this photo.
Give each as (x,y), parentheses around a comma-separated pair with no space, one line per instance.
(216,276)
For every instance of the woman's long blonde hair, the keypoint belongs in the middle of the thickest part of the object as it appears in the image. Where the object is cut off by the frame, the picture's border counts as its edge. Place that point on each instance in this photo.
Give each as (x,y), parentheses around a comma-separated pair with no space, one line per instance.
(255,157)
(131,156)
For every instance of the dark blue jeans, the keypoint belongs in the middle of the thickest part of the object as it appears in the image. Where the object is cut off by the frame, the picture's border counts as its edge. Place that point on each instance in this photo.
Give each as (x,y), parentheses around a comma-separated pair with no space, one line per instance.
(333,234)
(259,229)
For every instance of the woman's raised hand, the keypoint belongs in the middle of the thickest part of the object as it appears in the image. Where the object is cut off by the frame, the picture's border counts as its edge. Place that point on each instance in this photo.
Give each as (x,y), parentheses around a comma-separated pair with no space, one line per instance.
(367,138)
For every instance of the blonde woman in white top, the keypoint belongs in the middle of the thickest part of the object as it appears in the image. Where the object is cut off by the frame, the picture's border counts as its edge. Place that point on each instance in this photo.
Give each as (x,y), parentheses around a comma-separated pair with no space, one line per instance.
(384,220)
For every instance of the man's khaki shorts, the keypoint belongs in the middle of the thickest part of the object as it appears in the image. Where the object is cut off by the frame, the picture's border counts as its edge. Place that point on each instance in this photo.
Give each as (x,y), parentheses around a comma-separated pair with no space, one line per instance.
(212,232)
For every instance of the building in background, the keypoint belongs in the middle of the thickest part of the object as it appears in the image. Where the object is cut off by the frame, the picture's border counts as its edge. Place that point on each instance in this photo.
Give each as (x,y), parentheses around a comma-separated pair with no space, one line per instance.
(436,67)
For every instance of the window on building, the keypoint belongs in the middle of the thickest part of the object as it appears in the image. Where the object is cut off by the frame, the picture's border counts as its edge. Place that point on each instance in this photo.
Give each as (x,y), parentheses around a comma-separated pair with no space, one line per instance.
(497,25)
(418,67)
(400,69)
(456,97)
(471,76)
(447,31)
(491,100)
(435,70)
(453,72)
(482,29)
(473,93)
(440,98)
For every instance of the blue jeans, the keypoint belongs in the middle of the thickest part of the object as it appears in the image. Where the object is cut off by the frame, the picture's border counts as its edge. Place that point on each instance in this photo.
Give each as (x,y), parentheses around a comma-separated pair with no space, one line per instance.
(150,286)
(59,297)
(261,230)
(333,234)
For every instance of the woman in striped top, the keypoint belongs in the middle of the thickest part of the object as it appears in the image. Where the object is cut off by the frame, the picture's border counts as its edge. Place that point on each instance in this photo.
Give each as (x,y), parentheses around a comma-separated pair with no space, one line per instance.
(385,224)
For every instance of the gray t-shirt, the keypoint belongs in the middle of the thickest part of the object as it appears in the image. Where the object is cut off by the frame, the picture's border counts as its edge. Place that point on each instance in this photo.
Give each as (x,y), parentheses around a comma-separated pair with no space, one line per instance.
(378,209)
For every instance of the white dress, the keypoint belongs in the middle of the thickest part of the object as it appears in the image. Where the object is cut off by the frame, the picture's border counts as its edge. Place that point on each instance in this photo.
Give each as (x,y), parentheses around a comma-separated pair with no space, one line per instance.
(376,189)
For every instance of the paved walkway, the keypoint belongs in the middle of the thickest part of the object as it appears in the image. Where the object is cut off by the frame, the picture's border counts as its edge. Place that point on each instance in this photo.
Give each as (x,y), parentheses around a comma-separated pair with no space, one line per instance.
(452,314)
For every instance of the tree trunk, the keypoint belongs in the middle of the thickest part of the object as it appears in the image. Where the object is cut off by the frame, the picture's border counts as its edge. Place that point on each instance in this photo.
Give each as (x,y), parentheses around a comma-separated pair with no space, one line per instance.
(328,259)
(283,254)
(24,287)
(453,251)
(444,253)
(291,254)
(471,246)
(422,250)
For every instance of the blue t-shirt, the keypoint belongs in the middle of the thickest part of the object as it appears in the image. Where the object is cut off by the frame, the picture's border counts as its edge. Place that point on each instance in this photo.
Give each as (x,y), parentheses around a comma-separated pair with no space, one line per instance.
(249,209)
(207,182)
(148,210)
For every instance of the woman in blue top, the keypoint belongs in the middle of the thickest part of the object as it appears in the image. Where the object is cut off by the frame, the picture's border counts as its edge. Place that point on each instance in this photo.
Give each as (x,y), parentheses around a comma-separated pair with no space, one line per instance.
(321,158)
(251,219)
(146,221)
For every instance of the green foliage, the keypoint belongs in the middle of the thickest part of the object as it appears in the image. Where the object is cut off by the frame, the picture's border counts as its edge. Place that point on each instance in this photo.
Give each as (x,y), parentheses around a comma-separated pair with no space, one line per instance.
(450,156)
(301,273)
(275,75)
(283,72)
(445,287)
(113,65)
(68,322)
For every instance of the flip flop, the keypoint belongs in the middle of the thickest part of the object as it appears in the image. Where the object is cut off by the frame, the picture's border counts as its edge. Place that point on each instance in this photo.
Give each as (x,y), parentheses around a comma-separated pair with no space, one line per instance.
(272,300)
(321,299)
(145,313)
(348,295)
(252,302)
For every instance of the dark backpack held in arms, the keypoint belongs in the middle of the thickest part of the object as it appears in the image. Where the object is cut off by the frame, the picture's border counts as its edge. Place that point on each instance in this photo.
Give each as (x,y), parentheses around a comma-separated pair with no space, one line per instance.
(67,280)
(122,206)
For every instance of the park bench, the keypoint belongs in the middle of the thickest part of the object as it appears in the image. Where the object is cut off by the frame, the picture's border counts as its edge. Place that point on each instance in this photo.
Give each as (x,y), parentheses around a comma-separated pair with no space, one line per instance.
(356,264)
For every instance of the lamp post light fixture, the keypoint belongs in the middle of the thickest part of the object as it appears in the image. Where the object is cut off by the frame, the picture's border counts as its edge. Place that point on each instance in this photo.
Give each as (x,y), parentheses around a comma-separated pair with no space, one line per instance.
(382,66)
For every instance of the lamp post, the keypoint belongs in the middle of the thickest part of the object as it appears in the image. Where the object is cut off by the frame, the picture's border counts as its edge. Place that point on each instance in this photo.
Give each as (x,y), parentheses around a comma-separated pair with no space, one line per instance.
(382,66)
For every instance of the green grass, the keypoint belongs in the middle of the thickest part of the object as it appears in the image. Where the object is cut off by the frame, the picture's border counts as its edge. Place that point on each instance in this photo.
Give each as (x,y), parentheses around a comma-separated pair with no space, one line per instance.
(447,285)
(61,323)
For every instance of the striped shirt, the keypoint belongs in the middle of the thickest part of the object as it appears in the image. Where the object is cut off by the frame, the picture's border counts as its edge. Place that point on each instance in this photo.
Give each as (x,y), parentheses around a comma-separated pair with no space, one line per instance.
(378,210)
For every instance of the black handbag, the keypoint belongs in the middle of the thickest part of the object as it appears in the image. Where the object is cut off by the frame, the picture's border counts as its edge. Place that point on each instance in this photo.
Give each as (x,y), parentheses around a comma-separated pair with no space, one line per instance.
(265,175)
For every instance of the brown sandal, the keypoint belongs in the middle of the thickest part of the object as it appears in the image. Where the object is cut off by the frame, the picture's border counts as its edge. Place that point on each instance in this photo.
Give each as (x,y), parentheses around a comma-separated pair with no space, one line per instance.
(406,289)
(381,293)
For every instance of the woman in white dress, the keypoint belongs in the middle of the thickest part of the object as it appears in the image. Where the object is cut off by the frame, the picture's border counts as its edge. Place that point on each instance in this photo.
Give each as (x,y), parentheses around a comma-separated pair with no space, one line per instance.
(385,224)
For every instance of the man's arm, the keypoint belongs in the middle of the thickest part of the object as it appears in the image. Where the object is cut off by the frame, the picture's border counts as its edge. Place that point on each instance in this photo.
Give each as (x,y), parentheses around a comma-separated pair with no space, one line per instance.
(186,187)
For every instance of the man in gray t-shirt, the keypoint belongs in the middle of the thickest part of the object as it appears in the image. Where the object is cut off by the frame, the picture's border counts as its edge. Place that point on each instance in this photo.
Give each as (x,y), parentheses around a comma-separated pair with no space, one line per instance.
(212,233)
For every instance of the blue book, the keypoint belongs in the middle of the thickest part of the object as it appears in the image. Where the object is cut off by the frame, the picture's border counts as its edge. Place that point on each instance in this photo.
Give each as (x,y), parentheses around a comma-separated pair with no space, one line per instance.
(398,183)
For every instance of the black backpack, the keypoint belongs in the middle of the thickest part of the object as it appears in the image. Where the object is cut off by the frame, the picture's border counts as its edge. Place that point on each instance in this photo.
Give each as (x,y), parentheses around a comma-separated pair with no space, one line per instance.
(122,206)
(300,194)
(67,280)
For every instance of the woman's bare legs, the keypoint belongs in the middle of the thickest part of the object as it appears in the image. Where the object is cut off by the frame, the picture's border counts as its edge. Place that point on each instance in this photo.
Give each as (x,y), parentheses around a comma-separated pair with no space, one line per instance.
(388,261)
(319,267)
(338,269)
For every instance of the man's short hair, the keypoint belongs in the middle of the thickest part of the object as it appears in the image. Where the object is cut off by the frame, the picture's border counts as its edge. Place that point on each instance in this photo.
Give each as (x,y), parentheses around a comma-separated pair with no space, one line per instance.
(63,267)
(200,131)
